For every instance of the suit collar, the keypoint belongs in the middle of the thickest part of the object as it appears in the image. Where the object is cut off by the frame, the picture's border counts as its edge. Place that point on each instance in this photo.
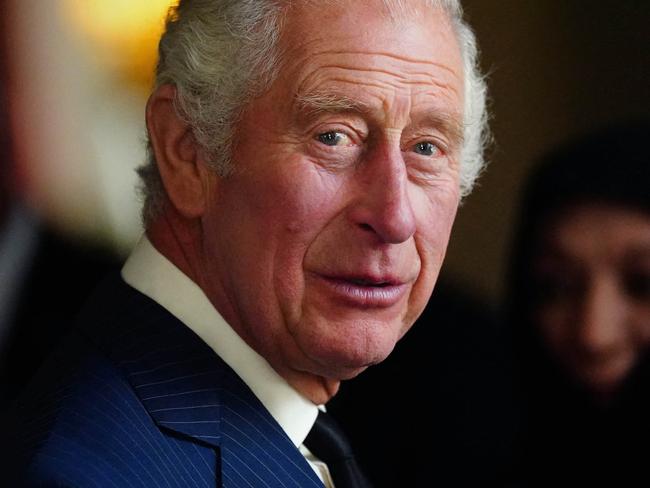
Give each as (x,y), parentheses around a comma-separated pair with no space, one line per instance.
(185,387)
(150,272)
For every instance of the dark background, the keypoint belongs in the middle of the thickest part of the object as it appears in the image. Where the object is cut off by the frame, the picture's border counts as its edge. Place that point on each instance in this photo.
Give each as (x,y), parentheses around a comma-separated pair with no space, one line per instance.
(556,68)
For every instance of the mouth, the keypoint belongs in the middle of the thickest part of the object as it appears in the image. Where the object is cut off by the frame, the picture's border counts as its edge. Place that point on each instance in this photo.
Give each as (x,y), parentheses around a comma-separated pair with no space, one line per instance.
(370,283)
(365,291)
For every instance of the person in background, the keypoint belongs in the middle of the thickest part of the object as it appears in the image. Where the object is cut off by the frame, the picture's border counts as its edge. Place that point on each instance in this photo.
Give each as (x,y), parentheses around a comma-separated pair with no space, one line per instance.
(306,163)
(45,275)
(579,312)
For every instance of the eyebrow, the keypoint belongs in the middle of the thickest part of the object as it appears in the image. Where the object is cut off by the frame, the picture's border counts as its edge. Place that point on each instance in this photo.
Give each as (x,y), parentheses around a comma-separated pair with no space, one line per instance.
(316,103)
(313,104)
(448,123)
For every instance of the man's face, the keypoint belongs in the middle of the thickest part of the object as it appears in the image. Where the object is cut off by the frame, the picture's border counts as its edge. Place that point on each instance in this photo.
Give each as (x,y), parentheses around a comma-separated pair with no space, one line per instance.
(324,245)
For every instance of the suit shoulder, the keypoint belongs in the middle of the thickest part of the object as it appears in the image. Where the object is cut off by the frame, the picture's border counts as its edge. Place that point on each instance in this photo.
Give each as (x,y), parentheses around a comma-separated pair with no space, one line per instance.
(78,408)
(80,423)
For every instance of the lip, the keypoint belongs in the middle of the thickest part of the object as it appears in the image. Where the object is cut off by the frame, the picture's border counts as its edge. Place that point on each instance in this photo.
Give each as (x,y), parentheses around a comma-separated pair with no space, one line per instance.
(365,291)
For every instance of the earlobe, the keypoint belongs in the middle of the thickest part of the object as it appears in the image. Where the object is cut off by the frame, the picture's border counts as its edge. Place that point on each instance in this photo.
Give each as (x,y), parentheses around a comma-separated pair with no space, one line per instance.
(176,152)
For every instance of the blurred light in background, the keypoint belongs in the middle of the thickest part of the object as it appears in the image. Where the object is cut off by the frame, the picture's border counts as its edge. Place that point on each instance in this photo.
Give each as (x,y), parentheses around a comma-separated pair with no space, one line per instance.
(125,33)
(80,71)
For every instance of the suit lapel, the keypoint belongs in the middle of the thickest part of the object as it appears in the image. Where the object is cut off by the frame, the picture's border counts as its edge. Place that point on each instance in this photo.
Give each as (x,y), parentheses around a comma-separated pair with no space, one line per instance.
(189,390)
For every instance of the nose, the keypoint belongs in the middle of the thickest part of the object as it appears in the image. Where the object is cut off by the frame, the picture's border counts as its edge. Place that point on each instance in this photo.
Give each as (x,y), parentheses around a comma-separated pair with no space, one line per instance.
(602,323)
(383,206)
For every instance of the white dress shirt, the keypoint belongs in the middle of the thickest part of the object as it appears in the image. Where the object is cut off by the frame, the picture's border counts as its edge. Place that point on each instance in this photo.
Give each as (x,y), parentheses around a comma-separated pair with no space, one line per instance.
(153,275)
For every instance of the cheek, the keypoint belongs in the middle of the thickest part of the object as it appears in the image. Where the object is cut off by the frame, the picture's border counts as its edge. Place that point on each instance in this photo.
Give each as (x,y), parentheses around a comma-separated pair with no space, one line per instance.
(285,204)
(554,329)
(434,221)
(640,335)
(303,194)
(303,212)
(641,317)
(435,217)
(552,319)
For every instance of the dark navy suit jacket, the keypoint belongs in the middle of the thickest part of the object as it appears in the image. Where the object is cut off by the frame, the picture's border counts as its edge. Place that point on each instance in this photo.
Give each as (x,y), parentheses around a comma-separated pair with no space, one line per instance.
(134,398)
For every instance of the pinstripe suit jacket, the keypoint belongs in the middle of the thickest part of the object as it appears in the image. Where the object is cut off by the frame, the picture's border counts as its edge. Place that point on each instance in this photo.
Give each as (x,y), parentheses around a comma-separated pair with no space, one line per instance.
(134,398)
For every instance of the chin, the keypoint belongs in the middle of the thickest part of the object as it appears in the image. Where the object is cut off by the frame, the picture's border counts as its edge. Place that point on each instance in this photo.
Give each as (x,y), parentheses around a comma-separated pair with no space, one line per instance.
(345,358)
(340,346)
(338,374)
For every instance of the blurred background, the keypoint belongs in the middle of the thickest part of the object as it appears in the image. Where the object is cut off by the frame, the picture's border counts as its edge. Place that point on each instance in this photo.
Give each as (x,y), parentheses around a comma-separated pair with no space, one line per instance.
(74,77)
(79,72)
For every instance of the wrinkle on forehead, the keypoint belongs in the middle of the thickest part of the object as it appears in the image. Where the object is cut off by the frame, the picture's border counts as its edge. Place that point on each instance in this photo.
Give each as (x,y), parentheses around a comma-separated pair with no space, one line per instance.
(401,14)
(406,78)
(391,82)
(394,56)
(324,78)
(303,52)
(407,70)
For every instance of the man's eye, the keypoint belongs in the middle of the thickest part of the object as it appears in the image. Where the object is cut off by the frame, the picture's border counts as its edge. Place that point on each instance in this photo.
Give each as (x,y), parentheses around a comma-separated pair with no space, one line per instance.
(426,148)
(334,138)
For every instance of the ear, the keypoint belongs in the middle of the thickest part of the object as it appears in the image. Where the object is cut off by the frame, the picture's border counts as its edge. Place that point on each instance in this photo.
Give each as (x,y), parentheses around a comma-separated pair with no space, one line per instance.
(176,152)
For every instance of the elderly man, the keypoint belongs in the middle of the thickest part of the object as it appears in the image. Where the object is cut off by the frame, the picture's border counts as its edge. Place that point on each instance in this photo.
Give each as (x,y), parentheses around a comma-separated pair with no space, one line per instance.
(307,161)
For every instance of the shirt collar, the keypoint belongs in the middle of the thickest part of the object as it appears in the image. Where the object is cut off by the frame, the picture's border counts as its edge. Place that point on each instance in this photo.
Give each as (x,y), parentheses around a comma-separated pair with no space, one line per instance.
(153,275)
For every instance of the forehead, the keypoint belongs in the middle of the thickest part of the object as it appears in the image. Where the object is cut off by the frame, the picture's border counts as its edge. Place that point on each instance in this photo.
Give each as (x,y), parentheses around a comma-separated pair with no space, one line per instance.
(602,232)
(357,46)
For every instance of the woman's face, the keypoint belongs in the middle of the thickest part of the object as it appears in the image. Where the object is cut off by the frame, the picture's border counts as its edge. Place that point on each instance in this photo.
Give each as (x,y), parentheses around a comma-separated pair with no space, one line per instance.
(593,272)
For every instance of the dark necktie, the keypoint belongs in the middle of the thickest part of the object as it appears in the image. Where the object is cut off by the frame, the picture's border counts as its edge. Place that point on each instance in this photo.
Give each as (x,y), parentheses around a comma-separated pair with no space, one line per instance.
(328,443)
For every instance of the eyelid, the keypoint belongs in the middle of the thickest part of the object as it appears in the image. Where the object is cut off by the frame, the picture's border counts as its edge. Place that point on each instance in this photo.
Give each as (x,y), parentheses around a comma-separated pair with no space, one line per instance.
(431,134)
(436,141)
(353,134)
(347,139)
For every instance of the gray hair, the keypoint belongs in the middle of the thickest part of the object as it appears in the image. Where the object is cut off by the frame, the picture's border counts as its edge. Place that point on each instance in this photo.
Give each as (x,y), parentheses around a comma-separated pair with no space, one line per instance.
(219,54)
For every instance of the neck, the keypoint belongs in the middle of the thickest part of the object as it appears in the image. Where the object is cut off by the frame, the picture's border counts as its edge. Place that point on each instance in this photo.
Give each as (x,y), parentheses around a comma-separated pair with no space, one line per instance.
(317,389)
(173,237)
(179,240)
